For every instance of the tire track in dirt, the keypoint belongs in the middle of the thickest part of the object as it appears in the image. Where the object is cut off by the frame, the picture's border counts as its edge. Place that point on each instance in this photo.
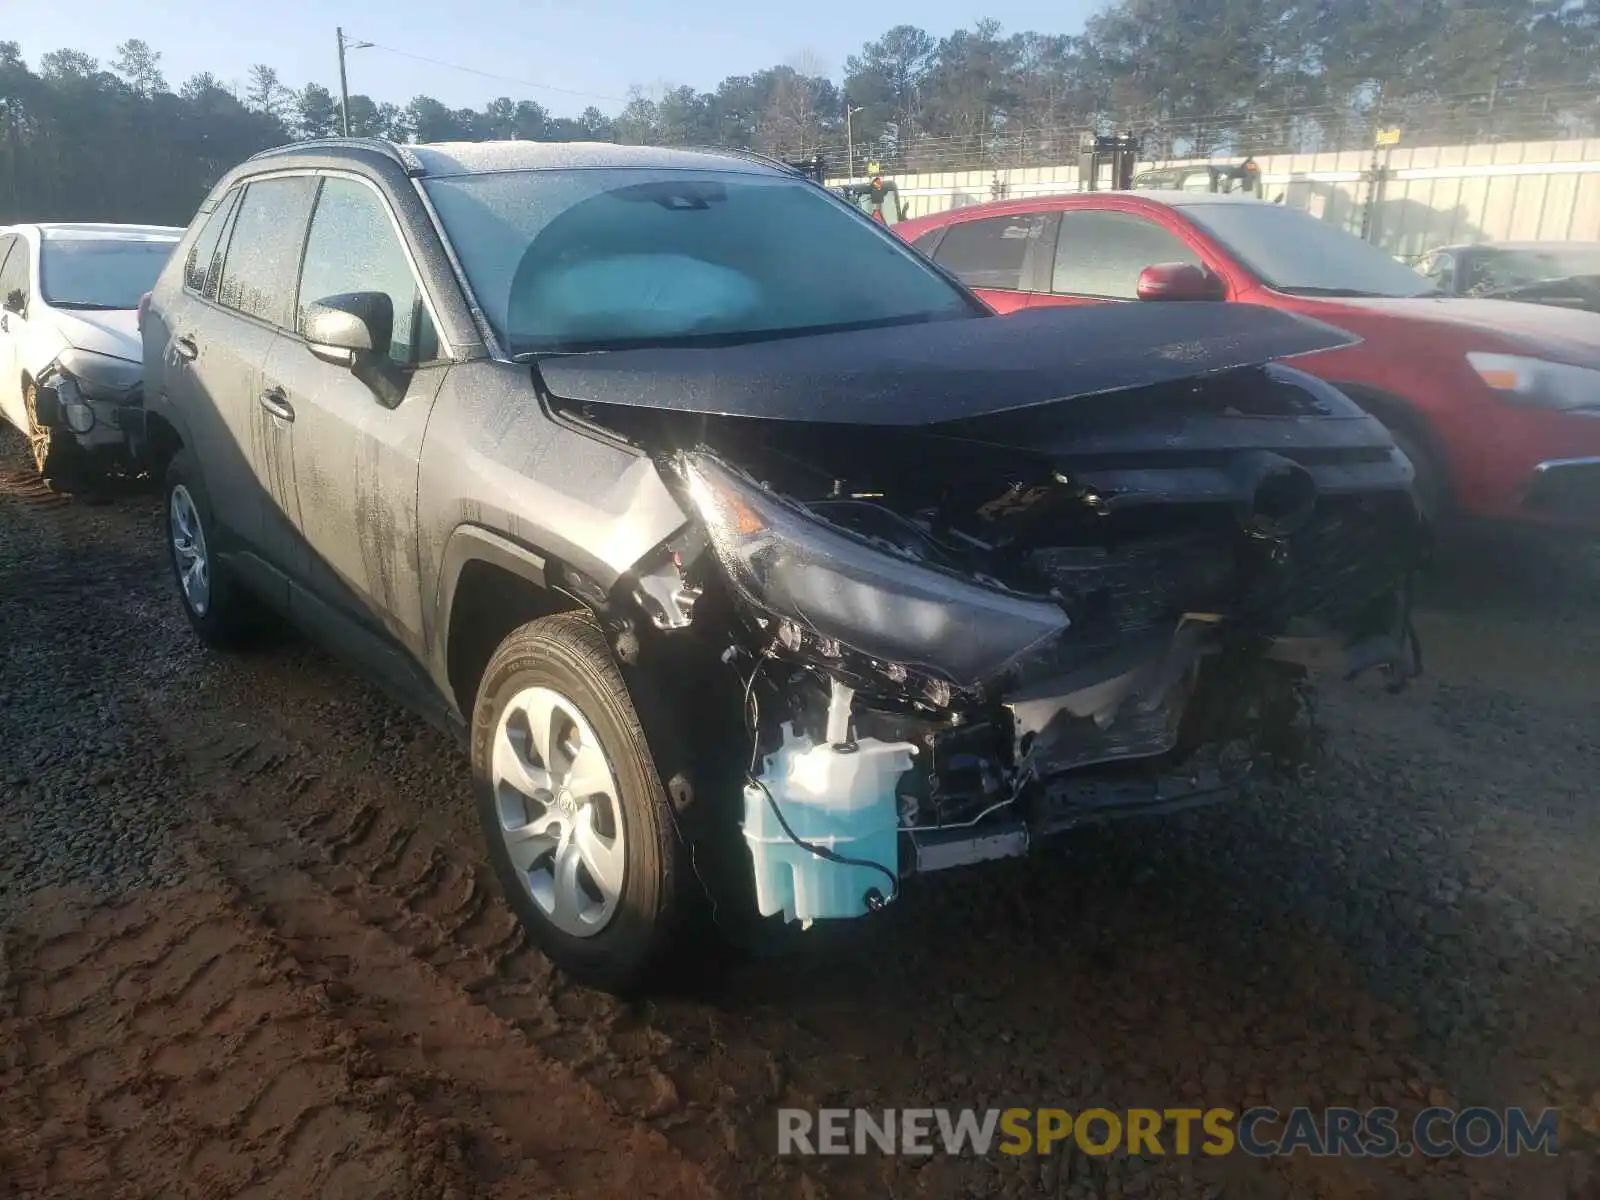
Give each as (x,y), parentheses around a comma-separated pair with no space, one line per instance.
(472,1070)
(427,893)
(131,1027)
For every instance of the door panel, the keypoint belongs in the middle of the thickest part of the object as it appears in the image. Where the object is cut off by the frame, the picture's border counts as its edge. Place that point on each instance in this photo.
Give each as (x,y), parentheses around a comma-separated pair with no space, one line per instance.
(1004,301)
(217,391)
(273,417)
(354,473)
(355,458)
(357,583)
(1054,301)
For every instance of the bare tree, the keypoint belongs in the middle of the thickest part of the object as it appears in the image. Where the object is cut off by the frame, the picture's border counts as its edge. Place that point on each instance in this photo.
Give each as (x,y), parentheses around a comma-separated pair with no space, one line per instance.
(791,124)
(266,93)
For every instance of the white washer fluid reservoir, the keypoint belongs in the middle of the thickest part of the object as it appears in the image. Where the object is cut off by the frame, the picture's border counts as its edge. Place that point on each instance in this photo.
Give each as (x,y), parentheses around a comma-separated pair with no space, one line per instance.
(840,798)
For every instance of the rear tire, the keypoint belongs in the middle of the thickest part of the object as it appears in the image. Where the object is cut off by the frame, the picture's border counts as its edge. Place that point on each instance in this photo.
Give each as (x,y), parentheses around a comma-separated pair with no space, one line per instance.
(577,823)
(222,613)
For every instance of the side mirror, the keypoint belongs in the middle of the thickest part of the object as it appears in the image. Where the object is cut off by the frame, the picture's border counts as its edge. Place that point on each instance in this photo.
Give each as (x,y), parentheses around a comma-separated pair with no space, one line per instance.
(349,327)
(353,330)
(16,302)
(1179,281)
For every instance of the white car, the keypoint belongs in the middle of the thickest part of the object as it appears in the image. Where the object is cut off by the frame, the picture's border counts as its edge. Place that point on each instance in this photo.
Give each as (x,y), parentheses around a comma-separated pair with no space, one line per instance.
(71,360)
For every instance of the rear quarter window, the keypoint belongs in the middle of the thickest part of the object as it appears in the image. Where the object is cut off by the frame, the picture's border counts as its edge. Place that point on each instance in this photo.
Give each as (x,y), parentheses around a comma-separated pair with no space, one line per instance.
(204,259)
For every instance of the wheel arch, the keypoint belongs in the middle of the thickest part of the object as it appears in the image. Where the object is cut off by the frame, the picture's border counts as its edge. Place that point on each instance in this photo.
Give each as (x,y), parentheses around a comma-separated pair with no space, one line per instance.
(163,440)
(1398,414)
(488,586)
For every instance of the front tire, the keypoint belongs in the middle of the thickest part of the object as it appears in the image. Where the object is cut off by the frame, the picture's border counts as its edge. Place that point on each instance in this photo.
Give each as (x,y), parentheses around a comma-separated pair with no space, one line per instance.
(56,454)
(219,610)
(576,820)
(1428,486)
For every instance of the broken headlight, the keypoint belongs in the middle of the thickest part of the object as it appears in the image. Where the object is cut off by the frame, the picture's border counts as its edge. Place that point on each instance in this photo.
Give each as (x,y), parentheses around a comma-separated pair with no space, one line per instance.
(99,376)
(78,378)
(787,562)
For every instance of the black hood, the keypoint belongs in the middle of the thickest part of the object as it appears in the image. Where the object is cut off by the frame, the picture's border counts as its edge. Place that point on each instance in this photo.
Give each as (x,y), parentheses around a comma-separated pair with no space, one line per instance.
(927,374)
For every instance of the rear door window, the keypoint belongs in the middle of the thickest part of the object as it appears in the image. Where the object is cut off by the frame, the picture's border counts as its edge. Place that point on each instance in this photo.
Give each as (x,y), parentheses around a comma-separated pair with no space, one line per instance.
(263,256)
(205,255)
(1102,253)
(994,252)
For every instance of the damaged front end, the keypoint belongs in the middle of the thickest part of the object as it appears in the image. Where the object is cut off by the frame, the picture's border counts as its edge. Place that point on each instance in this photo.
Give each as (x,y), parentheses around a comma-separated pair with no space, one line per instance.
(953,638)
(95,398)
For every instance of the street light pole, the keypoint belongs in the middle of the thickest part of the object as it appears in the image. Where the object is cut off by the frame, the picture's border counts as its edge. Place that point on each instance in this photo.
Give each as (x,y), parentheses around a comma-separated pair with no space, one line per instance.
(849,140)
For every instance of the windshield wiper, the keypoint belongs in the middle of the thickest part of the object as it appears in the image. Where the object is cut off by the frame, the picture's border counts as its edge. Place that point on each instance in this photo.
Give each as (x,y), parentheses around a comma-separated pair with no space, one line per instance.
(86,306)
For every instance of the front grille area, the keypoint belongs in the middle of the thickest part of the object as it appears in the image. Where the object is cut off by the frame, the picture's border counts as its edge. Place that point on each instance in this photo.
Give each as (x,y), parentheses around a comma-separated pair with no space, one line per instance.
(1352,551)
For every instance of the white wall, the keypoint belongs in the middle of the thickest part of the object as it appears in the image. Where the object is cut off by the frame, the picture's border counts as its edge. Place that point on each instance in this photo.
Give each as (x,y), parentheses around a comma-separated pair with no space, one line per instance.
(1435,195)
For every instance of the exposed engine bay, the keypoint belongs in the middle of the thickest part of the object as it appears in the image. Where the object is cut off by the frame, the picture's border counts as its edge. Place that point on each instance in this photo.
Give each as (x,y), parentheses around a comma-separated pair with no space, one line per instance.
(954,637)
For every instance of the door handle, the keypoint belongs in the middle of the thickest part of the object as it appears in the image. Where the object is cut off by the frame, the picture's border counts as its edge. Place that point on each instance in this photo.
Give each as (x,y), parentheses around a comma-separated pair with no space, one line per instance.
(276,403)
(185,348)
(5,322)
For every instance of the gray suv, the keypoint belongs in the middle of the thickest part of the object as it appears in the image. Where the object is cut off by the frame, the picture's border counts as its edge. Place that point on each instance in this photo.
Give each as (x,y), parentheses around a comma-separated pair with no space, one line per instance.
(759,566)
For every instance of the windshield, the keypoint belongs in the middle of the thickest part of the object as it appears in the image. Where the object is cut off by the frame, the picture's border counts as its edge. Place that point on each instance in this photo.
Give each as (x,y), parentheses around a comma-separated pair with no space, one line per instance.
(565,260)
(1517,268)
(1291,251)
(99,272)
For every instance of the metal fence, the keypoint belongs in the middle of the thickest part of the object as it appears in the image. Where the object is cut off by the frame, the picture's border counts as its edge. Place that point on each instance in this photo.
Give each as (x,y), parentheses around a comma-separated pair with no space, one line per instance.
(1032,133)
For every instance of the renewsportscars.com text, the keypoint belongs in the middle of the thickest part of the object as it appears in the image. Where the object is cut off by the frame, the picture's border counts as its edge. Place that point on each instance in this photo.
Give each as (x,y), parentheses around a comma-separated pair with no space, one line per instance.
(1260,1132)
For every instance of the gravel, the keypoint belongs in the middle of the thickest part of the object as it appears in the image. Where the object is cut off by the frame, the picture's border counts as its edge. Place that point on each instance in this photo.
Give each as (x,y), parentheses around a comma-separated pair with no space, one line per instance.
(1417,922)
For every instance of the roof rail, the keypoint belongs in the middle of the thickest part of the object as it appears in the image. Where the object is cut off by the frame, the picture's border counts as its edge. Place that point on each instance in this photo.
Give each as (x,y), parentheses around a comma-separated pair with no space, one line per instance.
(807,170)
(390,150)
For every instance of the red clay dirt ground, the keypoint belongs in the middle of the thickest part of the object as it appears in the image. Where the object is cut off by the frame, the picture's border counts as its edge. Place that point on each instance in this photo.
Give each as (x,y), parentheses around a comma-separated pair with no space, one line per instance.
(248,946)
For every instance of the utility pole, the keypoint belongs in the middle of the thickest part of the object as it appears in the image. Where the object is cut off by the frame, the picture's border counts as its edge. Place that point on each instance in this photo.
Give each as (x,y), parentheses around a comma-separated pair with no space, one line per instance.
(344,86)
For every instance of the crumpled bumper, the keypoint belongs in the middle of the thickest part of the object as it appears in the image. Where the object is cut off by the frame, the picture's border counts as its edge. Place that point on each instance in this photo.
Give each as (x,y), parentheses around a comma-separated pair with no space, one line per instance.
(98,425)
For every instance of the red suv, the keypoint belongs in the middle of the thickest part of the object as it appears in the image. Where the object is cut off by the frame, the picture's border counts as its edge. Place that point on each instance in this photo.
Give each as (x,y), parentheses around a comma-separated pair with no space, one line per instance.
(1497,403)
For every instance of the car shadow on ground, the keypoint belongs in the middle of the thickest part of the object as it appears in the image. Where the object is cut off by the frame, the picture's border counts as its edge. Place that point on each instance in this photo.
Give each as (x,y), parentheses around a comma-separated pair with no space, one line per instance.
(109,488)
(1517,573)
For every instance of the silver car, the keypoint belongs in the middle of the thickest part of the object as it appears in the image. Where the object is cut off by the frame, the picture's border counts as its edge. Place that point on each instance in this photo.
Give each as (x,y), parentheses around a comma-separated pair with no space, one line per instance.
(757,563)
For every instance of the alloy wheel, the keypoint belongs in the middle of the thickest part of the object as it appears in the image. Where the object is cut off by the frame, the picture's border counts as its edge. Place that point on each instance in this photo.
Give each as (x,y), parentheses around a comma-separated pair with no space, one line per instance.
(560,816)
(38,436)
(189,550)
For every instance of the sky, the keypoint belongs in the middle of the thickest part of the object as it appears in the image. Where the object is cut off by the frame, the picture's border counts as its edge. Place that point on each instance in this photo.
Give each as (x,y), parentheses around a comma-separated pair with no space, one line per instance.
(583,52)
